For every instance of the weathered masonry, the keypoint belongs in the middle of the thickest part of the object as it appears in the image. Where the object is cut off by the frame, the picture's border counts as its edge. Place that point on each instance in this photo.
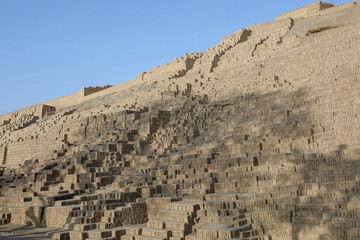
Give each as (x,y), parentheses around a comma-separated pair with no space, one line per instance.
(255,138)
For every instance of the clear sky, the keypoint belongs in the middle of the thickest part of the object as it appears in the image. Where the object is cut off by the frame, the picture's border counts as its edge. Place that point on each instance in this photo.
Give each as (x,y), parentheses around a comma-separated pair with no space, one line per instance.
(50,49)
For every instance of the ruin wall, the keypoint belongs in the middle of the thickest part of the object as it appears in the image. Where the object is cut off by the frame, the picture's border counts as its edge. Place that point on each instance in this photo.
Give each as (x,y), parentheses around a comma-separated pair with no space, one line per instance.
(310,10)
(337,8)
(176,68)
(59,103)
(3,153)
(38,110)
(18,152)
(90,90)
(63,102)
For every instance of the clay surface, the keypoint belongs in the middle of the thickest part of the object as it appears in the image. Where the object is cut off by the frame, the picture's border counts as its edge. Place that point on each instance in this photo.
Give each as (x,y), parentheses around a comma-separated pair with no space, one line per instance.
(256,138)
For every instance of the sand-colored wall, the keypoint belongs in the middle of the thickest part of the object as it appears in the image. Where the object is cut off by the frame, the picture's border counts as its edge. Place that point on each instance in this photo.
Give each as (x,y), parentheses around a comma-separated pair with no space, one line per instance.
(58,103)
(65,101)
(337,8)
(38,110)
(90,90)
(113,89)
(176,68)
(30,110)
(310,10)
(18,152)
(3,155)
(4,117)
(82,95)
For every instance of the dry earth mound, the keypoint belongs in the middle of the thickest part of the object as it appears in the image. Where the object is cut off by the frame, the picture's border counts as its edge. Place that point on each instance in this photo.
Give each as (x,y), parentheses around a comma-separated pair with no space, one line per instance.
(256,138)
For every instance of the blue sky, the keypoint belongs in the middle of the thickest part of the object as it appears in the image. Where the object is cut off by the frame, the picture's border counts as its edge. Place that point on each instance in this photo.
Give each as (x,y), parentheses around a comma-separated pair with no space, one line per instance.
(50,49)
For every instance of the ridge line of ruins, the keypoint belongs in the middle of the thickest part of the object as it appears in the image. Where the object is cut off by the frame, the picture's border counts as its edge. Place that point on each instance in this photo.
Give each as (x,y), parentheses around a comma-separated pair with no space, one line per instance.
(257,138)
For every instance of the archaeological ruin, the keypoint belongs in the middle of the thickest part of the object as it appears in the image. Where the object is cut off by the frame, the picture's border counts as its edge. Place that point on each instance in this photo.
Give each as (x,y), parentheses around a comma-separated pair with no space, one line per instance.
(257,138)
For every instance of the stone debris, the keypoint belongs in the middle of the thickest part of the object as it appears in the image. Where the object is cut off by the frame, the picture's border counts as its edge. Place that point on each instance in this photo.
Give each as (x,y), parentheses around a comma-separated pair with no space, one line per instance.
(257,138)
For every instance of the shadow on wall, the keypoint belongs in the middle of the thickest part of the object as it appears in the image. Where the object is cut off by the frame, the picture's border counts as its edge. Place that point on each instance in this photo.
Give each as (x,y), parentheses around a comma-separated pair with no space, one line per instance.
(284,128)
(287,129)
(278,124)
